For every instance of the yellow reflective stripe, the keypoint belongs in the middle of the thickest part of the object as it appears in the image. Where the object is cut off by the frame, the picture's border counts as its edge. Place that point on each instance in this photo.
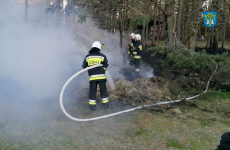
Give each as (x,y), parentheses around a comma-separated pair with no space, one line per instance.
(131,44)
(92,103)
(128,52)
(94,61)
(97,78)
(137,57)
(105,101)
(140,47)
(137,70)
(134,53)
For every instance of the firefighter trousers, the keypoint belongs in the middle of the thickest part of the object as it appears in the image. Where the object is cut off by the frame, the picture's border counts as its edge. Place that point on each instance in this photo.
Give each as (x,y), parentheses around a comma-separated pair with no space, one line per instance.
(137,64)
(93,92)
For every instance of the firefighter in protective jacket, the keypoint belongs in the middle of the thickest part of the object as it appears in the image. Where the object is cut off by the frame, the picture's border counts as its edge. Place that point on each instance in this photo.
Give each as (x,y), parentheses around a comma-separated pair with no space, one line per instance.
(131,48)
(97,75)
(131,45)
(137,52)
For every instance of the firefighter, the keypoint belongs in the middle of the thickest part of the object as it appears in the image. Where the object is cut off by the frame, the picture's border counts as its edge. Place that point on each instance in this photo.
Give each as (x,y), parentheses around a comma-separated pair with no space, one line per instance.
(97,75)
(225,141)
(131,45)
(137,52)
(131,48)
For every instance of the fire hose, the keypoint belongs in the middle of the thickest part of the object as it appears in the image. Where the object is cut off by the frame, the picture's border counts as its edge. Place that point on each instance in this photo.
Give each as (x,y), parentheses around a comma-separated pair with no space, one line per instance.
(124,111)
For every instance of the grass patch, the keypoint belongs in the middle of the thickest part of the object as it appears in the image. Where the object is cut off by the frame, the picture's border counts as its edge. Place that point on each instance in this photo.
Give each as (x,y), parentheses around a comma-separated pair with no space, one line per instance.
(207,139)
(138,132)
(142,132)
(195,145)
(224,121)
(215,94)
(174,143)
(206,122)
(215,102)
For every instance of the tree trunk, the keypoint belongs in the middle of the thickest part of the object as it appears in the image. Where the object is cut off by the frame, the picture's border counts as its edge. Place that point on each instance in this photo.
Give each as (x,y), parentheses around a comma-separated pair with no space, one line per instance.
(208,39)
(183,25)
(215,37)
(192,40)
(179,19)
(205,32)
(121,44)
(215,40)
(147,33)
(223,38)
(143,33)
(154,26)
(121,41)
(194,27)
(169,6)
(161,19)
(223,23)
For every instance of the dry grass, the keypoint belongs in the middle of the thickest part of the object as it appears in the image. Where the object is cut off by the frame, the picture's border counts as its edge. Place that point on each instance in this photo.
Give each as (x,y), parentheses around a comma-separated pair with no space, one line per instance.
(139,91)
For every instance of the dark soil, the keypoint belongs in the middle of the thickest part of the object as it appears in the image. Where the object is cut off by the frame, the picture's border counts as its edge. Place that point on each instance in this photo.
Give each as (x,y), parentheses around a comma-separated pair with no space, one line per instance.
(212,51)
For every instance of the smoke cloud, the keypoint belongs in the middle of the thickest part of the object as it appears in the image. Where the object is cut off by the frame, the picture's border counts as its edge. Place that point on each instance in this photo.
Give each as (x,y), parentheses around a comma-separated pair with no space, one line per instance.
(38,62)
(37,58)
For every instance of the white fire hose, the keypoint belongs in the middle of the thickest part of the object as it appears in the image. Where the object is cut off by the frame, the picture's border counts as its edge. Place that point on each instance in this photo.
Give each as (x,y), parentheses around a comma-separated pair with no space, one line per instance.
(124,111)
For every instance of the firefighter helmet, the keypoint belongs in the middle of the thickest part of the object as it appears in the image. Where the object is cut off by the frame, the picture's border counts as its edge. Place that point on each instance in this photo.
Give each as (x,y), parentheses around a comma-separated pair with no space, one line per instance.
(132,35)
(138,37)
(97,44)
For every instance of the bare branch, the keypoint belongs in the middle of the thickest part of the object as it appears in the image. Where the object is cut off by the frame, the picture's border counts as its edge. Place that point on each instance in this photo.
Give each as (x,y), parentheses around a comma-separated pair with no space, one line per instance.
(159,7)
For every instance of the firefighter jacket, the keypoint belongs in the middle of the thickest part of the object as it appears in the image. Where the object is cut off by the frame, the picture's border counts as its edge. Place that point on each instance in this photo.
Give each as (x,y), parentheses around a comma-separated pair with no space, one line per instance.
(131,47)
(94,58)
(137,50)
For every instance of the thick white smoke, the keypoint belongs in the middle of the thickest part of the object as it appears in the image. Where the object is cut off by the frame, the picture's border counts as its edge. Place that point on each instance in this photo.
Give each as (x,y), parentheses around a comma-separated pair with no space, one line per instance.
(36,58)
(90,33)
(38,61)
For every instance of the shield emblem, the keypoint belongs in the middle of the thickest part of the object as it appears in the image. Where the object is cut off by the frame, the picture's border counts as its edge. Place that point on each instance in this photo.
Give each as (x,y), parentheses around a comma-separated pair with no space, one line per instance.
(210,18)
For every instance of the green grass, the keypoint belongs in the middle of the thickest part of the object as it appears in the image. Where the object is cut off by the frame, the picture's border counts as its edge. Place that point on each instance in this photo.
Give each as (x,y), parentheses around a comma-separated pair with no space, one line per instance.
(215,94)
(195,145)
(224,121)
(142,132)
(206,122)
(174,143)
(214,102)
